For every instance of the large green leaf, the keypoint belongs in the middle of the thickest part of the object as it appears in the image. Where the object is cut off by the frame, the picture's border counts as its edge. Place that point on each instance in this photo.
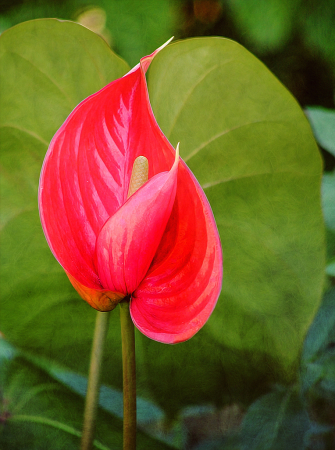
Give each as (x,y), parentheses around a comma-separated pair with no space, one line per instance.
(251,148)
(262,178)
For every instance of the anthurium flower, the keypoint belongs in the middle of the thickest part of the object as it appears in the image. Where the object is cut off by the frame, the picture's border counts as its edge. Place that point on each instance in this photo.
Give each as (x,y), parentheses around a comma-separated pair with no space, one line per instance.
(159,248)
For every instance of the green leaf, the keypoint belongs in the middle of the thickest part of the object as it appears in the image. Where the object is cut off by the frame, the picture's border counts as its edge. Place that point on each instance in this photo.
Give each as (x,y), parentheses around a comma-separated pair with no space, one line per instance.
(251,148)
(321,333)
(277,421)
(328,199)
(38,412)
(323,125)
(111,400)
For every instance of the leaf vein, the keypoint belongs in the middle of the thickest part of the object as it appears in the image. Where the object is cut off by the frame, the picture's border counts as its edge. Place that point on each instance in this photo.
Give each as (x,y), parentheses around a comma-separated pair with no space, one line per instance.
(30,133)
(222,133)
(72,103)
(189,93)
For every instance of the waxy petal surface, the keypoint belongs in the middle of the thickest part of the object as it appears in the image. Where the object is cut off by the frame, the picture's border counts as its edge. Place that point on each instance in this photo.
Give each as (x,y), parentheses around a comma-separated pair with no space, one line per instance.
(183,284)
(129,240)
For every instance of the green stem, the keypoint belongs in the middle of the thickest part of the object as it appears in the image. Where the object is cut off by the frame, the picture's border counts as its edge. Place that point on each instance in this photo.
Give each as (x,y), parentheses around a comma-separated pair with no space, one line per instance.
(92,395)
(129,378)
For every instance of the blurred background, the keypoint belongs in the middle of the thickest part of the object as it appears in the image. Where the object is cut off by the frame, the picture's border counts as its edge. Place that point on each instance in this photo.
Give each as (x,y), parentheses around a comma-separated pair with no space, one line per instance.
(294,38)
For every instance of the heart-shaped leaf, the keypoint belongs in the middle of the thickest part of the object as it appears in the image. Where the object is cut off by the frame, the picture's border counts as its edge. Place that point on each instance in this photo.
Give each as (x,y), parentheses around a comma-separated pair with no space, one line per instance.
(251,147)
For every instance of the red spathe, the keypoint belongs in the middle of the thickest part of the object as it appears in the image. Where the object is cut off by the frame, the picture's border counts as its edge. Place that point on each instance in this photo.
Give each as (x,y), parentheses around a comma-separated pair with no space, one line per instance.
(161,246)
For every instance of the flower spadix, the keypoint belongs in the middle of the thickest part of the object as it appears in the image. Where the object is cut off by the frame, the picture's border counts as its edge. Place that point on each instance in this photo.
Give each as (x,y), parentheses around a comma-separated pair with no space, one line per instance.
(156,245)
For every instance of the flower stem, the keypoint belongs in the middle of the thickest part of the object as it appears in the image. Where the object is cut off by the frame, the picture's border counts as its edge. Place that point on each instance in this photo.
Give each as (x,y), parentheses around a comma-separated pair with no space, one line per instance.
(92,395)
(139,176)
(129,378)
